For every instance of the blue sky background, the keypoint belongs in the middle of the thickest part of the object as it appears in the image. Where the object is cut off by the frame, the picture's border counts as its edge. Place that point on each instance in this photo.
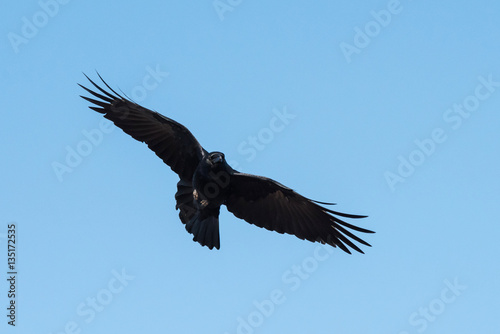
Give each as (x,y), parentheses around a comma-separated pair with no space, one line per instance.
(433,266)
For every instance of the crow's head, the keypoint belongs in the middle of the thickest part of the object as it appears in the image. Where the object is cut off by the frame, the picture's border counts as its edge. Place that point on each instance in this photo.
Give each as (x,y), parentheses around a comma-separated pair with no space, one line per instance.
(216,158)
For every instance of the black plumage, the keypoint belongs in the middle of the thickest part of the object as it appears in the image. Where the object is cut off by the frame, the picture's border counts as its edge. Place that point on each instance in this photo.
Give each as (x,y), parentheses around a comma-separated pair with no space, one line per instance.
(207,182)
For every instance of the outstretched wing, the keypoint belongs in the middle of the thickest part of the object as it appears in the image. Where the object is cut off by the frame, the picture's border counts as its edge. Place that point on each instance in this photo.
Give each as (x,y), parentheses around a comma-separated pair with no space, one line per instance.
(267,203)
(171,141)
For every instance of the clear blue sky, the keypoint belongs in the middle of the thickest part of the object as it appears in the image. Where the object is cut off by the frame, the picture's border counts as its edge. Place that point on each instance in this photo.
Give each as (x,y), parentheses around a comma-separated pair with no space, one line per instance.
(393,112)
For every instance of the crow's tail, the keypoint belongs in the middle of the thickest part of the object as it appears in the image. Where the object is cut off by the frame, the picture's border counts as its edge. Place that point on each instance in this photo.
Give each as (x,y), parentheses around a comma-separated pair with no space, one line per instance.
(203,223)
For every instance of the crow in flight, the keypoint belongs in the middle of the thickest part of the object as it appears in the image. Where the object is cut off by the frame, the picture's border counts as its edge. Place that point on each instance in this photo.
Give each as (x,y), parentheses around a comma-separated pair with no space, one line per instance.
(207,182)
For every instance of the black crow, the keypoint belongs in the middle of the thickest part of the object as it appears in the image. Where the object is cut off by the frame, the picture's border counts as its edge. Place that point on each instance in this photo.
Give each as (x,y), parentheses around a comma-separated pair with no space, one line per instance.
(207,182)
